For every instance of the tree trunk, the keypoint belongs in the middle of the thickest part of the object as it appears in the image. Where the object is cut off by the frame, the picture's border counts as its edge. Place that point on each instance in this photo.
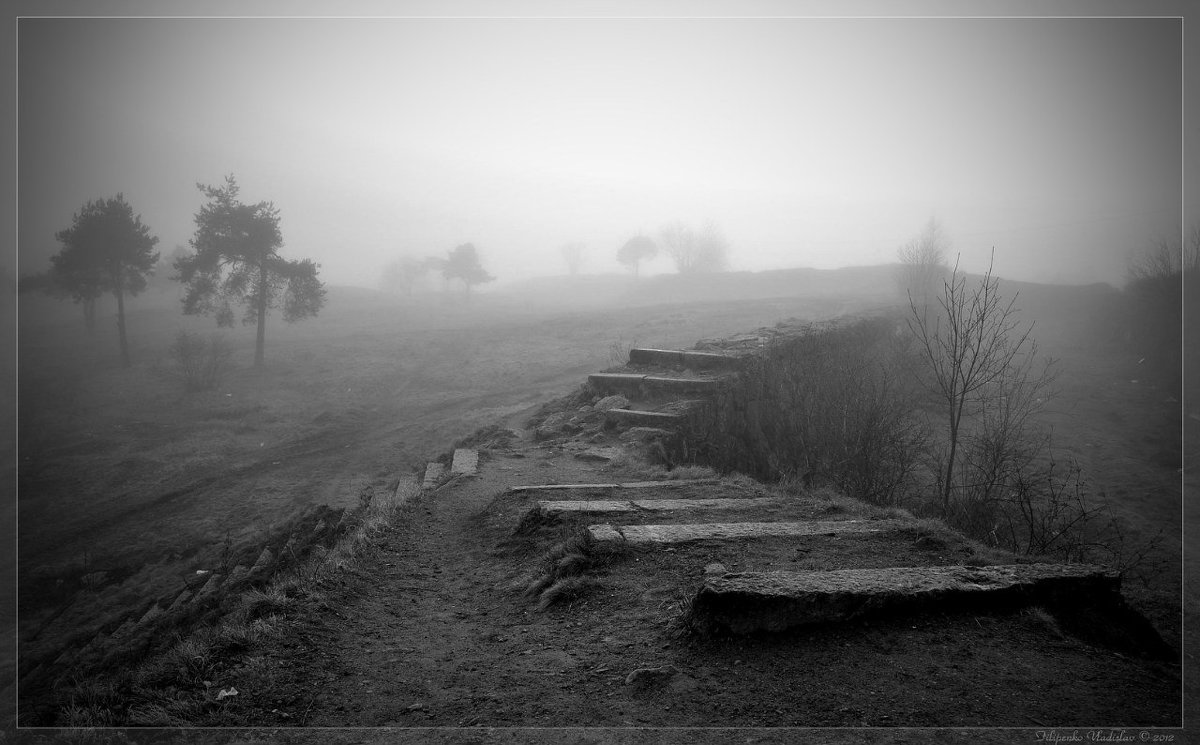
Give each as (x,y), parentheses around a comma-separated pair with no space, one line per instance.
(119,291)
(260,341)
(89,314)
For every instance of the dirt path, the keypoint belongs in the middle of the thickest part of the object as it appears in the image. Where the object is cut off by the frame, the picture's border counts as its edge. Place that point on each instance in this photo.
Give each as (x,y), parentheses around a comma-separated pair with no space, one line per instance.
(432,635)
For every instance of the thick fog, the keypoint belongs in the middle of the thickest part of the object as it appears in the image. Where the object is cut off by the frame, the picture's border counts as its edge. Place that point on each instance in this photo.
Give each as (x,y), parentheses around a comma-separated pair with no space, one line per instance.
(810,142)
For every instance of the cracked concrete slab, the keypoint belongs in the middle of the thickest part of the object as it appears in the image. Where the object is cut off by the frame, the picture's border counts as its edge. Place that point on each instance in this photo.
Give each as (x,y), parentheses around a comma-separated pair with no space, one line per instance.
(685,533)
(746,602)
(584,506)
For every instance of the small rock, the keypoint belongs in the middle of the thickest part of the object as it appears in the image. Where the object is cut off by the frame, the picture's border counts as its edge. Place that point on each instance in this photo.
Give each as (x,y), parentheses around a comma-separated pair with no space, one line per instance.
(645,434)
(714,569)
(599,454)
(612,402)
(646,676)
(416,707)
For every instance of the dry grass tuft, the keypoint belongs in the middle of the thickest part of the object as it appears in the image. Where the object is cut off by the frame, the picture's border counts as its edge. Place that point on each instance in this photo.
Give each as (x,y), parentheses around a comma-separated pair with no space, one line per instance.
(569,588)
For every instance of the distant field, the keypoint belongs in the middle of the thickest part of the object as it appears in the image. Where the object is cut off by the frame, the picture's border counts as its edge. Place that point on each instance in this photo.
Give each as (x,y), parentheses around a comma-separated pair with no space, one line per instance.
(120,468)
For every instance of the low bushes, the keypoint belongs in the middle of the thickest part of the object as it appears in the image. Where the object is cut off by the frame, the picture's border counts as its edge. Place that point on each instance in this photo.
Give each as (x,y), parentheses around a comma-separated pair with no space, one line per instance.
(831,406)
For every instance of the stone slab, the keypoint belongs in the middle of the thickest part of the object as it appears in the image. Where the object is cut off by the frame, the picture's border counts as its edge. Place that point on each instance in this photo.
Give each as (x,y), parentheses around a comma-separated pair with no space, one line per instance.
(181,600)
(406,484)
(263,562)
(153,612)
(465,463)
(624,485)
(720,503)
(636,416)
(746,602)
(433,472)
(681,385)
(604,533)
(681,358)
(214,582)
(686,533)
(616,382)
(550,507)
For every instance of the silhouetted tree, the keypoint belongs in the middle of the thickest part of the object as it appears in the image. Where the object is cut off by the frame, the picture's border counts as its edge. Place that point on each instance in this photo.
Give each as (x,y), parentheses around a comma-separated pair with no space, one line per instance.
(695,252)
(637,249)
(923,263)
(573,253)
(463,263)
(237,260)
(106,249)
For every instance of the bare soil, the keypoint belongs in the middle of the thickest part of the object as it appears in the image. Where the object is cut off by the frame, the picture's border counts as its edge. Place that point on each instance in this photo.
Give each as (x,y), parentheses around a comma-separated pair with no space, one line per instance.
(119,468)
(436,632)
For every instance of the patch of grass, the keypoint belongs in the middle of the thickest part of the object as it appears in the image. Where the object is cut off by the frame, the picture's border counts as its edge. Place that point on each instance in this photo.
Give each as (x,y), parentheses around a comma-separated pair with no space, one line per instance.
(633,467)
(566,589)
(562,572)
(269,600)
(1041,619)
(682,622)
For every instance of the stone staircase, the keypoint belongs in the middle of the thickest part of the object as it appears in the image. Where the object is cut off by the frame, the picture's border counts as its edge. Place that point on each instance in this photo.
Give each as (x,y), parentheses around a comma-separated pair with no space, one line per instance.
(659,386)
(656,388)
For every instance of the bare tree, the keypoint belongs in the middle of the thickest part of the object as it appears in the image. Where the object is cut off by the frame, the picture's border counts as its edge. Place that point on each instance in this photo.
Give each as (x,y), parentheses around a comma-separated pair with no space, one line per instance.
(573,253)
(978,361)
(695,252)
(923,262)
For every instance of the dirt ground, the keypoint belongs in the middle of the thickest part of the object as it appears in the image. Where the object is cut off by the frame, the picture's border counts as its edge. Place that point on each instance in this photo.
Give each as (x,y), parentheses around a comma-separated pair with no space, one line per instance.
(430,632)
(434,633)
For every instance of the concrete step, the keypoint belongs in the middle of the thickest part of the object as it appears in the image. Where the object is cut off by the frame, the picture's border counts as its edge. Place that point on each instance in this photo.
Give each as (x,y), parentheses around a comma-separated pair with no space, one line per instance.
(582,507)
(433,472)
(688,359)
(687,533)
(465,462)
(624,485)
(632,385)
(639,418)
(747,602)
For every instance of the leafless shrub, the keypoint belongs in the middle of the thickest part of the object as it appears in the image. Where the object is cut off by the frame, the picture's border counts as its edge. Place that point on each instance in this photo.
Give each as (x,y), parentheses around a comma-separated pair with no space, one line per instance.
(980,365)
(829,407)
(202,364)
(1046,510)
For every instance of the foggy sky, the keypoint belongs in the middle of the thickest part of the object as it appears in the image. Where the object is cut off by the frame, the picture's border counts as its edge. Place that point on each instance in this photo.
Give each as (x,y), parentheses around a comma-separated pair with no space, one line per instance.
(810,141)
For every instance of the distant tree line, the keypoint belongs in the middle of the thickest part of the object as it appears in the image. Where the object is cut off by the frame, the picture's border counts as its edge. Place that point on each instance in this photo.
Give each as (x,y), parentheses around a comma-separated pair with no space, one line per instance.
(461,264)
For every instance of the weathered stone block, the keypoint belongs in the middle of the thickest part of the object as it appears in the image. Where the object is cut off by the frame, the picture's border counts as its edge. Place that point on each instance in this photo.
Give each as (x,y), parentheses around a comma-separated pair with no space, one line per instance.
(677,386)
(611,402)
(685,533)
(624,383)
(746,602)
(153,612)
(465,463)
(433,473)
(181,600)
(214,582)
(263,563)
(681,358)
(637,417)
(560,487)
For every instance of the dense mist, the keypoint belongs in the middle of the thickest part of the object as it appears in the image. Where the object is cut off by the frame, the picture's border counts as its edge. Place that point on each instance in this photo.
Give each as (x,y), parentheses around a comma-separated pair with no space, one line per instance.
(810,142)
